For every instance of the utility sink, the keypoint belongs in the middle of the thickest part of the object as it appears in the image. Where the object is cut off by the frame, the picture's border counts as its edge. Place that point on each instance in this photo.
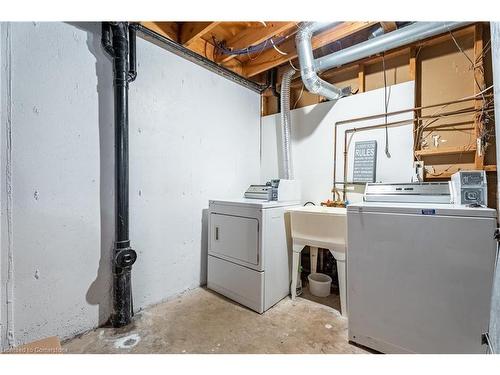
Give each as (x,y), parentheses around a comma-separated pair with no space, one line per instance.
(319,227)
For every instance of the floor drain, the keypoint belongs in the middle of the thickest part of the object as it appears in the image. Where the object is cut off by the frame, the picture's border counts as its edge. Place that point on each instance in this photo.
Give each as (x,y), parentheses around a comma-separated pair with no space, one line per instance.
(127,342)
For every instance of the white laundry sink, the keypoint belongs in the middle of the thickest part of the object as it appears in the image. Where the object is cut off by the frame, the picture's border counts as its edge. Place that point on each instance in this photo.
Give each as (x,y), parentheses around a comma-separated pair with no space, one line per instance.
(319,226)
(324,227)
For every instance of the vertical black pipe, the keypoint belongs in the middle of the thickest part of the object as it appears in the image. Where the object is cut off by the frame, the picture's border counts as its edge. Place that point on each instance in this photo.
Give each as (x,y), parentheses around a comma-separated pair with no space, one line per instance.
(132,72)
(120,67)
(124,256)
(106,38)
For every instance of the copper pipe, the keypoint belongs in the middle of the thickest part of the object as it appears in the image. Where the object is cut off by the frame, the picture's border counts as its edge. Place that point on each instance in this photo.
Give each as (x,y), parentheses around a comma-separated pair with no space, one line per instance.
(355,130)
(371,117)
(383,115)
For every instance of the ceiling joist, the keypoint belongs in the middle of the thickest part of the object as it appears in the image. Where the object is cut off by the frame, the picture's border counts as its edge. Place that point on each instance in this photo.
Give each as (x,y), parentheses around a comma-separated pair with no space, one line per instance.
(191,31)
(169,30)
(255,35)
(206,49)
(272,58)
(201,47)
(388,26)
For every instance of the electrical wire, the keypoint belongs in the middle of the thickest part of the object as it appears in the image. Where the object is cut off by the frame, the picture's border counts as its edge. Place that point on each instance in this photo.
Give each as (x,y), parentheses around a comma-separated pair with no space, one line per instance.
(422,127)
(473,64)
(455,113)
(460,48)
(290,61)
(258,48)
(300,96)
(262,50)
(277,49)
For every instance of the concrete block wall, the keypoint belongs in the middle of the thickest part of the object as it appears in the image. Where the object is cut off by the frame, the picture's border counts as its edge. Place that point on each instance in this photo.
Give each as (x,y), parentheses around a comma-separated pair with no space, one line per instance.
(193,136)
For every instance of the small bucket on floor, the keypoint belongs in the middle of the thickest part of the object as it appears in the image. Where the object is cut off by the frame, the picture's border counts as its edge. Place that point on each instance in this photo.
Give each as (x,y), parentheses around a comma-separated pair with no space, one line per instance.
(319,284)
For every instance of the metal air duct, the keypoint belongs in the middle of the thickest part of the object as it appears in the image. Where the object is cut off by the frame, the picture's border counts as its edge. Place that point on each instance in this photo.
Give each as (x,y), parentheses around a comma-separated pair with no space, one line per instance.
(309,67)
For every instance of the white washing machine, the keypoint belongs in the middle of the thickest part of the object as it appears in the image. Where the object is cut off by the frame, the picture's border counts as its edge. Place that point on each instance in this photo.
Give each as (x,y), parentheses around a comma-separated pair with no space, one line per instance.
(249,251)
(419,275)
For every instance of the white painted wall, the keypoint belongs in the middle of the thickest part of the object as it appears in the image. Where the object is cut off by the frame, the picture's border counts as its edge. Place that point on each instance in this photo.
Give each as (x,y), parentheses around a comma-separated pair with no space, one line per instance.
(193,135)
(313,141)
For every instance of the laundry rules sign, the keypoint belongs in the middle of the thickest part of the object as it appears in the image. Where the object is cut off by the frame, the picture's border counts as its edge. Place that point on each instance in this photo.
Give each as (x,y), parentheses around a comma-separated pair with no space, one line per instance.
(365,161)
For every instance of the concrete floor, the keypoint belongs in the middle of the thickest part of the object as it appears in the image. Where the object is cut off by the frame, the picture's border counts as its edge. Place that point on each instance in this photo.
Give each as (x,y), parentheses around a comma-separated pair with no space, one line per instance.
(202,321)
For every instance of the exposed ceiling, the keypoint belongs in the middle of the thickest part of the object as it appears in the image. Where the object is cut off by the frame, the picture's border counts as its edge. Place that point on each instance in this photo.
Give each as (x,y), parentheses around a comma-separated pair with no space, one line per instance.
(259,46)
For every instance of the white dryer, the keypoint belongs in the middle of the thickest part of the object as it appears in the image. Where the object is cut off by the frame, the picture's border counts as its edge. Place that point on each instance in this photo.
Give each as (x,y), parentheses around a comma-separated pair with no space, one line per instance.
(249,251)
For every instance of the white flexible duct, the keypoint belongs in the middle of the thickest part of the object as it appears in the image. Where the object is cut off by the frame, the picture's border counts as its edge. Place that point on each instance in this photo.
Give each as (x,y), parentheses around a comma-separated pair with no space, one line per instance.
(286,146)
(286,125)
(309,67)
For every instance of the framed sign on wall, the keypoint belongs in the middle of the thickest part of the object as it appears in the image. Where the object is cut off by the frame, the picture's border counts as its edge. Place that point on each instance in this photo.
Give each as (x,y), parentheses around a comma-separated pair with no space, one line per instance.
(365,161)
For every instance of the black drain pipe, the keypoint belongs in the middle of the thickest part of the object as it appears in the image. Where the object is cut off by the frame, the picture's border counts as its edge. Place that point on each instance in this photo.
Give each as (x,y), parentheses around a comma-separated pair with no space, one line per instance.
(116,37)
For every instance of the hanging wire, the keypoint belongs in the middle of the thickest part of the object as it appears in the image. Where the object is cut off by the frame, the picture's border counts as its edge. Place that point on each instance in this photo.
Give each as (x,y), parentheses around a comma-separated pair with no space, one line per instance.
(262,50)
(258,48)
(277,49)
(300,96)
(484,111)
(473,65)
(435,116)
(290,61)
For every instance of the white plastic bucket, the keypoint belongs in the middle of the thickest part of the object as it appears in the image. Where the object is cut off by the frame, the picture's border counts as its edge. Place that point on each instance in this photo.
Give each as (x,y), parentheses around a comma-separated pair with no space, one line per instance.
(319,284)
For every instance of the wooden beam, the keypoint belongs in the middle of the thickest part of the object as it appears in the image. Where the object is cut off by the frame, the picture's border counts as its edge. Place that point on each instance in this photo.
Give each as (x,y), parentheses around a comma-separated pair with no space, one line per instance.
(169,30)
(413,64)
(254,35)
(191,31)
(490,168)
(453,150)
(442,175)
(200,46)
(447,174)
(388,26)
(271,58)
(361,77)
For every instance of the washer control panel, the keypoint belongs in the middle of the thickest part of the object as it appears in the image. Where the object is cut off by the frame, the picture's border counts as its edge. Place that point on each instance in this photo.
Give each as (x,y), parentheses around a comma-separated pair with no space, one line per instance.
(470,188)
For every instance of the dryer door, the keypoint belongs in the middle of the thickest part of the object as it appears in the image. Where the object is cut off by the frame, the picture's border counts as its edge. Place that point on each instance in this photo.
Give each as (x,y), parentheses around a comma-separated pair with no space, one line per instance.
(235,238)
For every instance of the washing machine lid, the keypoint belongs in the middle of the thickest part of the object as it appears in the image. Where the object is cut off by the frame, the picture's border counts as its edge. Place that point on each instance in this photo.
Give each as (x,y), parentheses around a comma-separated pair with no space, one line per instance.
(256,203)
(439,209)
